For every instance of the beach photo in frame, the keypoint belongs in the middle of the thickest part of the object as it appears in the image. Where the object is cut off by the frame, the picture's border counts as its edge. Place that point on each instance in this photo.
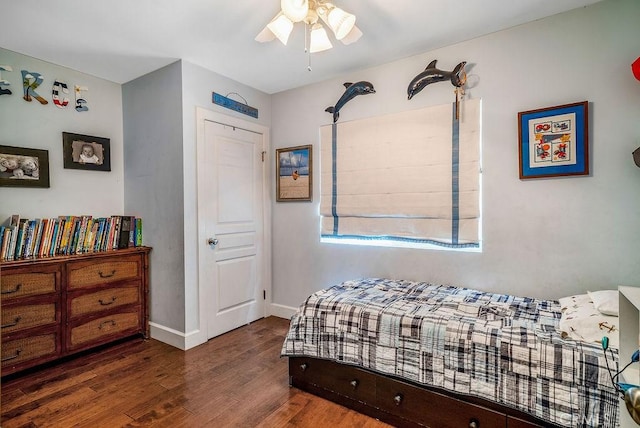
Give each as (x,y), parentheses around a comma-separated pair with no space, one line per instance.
(23,167)
(554,141)
(86,152)
(294,173)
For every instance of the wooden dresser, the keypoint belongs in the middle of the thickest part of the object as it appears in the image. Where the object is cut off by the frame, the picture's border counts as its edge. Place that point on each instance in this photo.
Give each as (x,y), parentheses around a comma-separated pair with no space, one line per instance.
(57,306)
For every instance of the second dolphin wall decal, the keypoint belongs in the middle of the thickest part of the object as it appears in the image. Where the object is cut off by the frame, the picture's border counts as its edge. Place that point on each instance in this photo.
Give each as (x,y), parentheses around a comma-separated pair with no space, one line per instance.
(352,90)
(432,75)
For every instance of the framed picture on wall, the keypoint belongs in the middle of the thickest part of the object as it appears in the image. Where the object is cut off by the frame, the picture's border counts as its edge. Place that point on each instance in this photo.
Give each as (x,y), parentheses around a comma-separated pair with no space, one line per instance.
(22,167)
(86,152)
(554,141)
(294,174)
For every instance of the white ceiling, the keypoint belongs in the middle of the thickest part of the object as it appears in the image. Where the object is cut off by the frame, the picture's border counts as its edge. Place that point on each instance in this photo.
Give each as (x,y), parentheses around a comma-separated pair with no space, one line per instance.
(120,40)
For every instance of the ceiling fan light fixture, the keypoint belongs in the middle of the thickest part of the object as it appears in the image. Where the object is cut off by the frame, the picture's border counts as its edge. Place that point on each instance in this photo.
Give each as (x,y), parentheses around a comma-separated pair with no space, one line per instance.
(315,14)
(265,35)
(353,36)
(281,27)
(295,10)
(340,22)
(319,40)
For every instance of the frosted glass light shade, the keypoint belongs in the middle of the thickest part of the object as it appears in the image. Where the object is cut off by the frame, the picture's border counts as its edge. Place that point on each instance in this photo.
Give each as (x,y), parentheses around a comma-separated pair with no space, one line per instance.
(281,26)
(353,36)
(295,10)
(340,22)
(319,39)
(265,35)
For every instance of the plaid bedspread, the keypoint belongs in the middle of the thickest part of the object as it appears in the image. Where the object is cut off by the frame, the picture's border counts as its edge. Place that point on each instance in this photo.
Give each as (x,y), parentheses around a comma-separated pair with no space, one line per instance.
(499,347)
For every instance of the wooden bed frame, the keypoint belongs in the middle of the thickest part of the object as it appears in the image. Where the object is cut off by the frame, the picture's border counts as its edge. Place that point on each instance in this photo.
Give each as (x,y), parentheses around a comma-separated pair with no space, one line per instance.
(400,402)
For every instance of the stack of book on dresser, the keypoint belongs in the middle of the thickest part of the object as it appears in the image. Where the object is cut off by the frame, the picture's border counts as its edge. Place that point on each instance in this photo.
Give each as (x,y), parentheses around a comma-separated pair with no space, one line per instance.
(67,235)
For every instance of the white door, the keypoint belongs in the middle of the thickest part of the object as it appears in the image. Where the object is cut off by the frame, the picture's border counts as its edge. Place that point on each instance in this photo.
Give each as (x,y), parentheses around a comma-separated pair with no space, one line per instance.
(232,242)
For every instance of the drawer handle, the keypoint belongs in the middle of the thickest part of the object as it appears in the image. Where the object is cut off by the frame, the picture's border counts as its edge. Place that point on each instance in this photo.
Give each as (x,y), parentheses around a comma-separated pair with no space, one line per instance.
(354,383)
(397,399)
(18,351)
(15,290)
(102,303)
(103,323)
(15,323)
(303,366)
(107,275)
(473,423)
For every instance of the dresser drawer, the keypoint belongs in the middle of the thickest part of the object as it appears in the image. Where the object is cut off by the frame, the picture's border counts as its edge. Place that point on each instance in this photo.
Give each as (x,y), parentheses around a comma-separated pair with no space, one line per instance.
(21,283)
(17,318)
(103,271)
(20,351)
(102,300)
(106,328)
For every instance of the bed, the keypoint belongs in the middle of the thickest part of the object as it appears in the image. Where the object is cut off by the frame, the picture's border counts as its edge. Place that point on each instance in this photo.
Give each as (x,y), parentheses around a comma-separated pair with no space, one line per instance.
(417,354)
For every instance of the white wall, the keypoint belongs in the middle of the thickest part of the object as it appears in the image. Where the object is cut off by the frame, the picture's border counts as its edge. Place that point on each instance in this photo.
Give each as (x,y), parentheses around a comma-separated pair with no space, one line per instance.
(541,238)
(32,125)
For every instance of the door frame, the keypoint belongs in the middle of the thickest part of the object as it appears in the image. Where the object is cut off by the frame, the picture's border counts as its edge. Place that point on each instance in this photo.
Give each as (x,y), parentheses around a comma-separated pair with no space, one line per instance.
(203,115)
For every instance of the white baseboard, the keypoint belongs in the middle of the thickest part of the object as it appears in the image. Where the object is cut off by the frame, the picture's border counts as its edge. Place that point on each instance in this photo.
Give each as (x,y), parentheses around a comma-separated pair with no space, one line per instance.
(175,338)
(186,341)
(282,311)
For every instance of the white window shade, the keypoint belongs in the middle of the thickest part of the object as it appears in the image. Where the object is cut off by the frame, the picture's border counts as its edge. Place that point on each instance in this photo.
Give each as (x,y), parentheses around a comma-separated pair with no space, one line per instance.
(412,177)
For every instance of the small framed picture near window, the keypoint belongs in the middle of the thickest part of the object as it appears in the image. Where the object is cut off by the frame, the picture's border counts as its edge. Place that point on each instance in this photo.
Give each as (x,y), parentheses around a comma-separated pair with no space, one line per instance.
(294,174)
(86,152)
(22,167)
(554,141)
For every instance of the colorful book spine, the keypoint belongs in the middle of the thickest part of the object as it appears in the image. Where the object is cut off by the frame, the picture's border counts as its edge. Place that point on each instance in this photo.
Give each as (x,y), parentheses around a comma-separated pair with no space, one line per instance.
(132,232)
(61,226)
(13,238)
(4,241)
(31,230)
(125,228)
(37,238)
(138,232)
(24,224)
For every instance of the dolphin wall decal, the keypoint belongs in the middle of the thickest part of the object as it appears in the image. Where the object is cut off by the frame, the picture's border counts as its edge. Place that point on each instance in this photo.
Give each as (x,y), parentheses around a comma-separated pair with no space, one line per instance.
(353,90)
(432,75)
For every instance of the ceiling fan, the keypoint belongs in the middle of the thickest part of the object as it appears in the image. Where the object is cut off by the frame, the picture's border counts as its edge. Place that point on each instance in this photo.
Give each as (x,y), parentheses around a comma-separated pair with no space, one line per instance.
(312,13)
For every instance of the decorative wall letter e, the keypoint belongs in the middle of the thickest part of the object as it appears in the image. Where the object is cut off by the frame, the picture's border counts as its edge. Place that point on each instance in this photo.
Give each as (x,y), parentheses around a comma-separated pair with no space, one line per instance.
(81,103)
(5,91)
(59,86)
(30,81)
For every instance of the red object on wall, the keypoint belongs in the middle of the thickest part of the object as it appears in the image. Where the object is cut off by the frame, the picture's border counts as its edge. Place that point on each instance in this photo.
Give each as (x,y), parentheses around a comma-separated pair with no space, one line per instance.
(635,67)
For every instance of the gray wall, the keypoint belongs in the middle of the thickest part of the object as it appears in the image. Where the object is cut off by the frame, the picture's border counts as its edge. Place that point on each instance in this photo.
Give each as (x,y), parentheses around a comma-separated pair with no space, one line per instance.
(153,190)
(36,126)
(541,238)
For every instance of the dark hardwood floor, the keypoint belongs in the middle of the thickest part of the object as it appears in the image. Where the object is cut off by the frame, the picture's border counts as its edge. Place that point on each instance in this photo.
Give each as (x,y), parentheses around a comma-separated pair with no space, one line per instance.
(235,380)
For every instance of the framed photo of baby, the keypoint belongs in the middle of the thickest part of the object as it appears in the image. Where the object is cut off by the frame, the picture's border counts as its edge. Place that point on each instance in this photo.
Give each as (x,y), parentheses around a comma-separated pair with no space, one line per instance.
(86,152)
(22,167)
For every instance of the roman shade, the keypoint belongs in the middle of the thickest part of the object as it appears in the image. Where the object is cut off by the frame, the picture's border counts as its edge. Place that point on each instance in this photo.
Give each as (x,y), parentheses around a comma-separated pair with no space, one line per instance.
(412,177)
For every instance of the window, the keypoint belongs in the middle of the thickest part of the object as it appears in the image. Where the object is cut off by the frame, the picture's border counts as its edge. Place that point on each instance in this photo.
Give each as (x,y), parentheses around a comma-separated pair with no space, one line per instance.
(405,179)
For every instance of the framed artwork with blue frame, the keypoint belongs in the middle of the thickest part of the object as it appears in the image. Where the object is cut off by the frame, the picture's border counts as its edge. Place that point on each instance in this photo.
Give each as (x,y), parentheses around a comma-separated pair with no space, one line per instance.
(554,141)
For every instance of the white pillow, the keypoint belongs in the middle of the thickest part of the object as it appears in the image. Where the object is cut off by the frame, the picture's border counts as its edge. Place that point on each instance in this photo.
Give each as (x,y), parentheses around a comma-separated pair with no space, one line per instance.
(571,303)
(582,321)
(605,301)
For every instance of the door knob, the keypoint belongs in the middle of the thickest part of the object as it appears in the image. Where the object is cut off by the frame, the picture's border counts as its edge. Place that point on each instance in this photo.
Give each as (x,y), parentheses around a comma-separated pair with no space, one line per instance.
(212,241)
